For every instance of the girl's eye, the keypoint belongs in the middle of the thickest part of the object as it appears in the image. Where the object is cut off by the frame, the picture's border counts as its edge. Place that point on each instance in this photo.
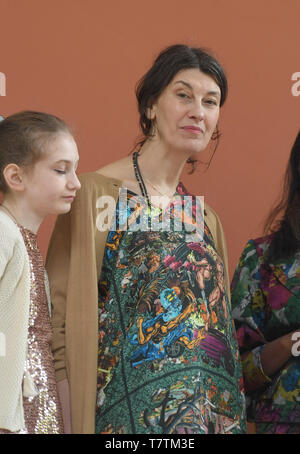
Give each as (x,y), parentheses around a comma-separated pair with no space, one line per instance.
(62,172)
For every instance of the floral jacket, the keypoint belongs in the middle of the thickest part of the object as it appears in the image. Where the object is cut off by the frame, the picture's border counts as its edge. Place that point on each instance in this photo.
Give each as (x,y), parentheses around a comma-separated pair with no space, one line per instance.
(266,306)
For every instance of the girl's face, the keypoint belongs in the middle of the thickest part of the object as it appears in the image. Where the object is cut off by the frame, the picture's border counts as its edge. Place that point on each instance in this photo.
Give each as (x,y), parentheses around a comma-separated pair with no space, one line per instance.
(51,184)
(187,111)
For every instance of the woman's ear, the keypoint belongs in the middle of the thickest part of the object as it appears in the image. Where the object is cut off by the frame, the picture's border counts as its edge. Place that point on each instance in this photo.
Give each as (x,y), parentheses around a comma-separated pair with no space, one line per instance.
(13,175)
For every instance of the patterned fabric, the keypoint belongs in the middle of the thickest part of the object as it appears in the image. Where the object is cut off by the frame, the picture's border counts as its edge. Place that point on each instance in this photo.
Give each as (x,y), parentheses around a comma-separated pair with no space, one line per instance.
(270,428)
(265,306)
(168,356)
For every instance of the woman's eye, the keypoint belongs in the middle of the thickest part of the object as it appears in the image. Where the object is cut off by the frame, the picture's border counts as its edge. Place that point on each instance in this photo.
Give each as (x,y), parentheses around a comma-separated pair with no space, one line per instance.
(62,172)
(183,95)
(211,102)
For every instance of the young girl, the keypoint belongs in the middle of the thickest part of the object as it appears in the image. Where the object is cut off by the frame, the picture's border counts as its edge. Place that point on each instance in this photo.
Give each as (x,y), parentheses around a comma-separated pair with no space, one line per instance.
(38,161)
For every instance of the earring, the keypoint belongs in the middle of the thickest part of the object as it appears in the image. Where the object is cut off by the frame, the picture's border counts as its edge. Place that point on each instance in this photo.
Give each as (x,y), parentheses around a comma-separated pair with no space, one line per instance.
(153,128)
(216,134)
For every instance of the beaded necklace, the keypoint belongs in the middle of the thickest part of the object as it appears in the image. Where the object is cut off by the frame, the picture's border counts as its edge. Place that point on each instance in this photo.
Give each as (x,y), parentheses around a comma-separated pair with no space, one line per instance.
(139,177)
(141,182)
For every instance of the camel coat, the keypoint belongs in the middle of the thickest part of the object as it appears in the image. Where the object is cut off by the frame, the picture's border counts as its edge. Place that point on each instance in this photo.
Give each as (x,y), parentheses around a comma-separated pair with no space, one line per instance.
(74,263)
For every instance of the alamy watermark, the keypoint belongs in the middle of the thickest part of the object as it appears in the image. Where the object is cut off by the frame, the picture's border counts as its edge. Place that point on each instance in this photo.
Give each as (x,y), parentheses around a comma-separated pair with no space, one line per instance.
(2,344)
(296,86)
(181,213)
(2,84)
(296,345)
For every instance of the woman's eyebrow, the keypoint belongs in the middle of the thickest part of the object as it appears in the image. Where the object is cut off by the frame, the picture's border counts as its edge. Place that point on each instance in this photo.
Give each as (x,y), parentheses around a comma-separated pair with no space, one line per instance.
(184,83)
(212,92)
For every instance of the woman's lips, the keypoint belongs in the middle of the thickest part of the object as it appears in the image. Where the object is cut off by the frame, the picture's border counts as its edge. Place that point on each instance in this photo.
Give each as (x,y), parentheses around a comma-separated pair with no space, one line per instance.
(193,129)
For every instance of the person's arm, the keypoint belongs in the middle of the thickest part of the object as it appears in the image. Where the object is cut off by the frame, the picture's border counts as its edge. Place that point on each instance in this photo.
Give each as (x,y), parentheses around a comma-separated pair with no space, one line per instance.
(14,309)
(57,265)
(276,353)
(215,226)
(260,359)
(250,315)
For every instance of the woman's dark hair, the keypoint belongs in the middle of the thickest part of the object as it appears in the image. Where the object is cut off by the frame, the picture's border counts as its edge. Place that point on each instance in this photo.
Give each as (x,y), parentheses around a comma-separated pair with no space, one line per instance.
(286,230)
(22,137)
(168,63)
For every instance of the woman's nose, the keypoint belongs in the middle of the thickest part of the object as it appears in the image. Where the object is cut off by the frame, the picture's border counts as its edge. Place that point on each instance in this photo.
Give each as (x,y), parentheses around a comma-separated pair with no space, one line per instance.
(197,111)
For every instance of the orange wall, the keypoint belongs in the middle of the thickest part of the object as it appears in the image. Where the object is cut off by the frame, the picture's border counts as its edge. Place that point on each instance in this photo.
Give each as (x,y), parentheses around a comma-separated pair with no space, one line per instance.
(80,59)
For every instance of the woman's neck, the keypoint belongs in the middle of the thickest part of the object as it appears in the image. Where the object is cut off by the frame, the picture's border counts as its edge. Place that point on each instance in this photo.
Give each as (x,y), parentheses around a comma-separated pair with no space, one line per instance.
(160,165)
(21,213)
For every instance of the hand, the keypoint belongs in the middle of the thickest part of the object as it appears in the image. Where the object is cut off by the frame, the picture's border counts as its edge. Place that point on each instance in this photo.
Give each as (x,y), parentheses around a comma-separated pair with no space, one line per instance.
(276,353)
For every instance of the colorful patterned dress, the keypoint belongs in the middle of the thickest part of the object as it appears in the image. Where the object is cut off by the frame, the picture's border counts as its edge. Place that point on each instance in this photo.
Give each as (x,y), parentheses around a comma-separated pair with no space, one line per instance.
(266,306)
(168,358)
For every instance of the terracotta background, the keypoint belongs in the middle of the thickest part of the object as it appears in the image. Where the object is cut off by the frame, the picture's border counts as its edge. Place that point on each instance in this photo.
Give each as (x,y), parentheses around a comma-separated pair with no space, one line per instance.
(81,59)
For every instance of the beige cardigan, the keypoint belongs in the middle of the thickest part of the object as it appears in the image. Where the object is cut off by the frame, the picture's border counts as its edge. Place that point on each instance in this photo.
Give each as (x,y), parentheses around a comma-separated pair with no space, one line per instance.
(14,315)
(74,264)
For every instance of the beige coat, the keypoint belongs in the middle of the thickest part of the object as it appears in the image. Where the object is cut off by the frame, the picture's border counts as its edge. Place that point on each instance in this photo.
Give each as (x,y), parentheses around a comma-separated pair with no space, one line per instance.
(15,281)
(74,264)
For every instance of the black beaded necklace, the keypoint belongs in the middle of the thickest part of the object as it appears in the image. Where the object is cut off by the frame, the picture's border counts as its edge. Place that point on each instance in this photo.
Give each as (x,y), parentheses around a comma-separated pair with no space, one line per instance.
(139,177)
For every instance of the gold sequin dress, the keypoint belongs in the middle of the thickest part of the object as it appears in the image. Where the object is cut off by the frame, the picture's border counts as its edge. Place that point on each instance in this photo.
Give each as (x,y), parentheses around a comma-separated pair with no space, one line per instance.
(42,413)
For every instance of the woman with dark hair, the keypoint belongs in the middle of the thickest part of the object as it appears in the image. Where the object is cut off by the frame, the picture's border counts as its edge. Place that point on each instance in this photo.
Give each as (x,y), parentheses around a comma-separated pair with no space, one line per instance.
(265,301)
(141,314)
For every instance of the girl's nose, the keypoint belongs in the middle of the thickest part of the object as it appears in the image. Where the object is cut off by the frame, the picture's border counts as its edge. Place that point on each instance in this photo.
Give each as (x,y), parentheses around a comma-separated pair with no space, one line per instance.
(74,182)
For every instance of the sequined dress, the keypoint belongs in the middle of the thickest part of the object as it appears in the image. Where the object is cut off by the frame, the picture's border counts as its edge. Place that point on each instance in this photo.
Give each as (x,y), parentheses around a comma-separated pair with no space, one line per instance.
(42,413)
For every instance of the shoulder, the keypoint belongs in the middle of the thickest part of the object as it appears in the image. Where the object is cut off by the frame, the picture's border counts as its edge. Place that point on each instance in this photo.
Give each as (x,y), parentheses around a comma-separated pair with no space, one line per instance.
(9,232)
(258,245)
(215,227)
(121,169)
(210,214)
(214,224)
(252,256)
(96,179)
(106,180)
(93,186)
(12,246)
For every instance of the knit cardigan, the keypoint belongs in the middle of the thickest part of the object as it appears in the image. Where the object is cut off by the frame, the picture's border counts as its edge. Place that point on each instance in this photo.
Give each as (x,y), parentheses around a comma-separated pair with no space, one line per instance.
(14,315)
(74,264)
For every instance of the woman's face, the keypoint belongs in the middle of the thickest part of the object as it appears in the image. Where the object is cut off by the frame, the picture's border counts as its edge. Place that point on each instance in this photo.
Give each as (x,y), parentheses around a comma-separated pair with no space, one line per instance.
(187,111)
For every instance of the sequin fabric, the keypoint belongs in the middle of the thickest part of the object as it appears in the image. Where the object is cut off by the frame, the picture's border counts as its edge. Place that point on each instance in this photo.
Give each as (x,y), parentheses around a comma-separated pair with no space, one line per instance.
(42,413)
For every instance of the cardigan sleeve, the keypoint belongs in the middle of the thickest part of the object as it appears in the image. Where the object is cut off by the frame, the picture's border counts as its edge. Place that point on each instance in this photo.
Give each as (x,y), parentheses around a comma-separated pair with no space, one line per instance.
(14,309)
(58,265)
(249,313)
(216,229)
(73,264)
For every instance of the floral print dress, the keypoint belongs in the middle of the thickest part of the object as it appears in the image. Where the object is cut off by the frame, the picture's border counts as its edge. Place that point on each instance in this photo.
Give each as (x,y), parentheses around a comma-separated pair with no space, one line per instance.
(266,306)
(168,357)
